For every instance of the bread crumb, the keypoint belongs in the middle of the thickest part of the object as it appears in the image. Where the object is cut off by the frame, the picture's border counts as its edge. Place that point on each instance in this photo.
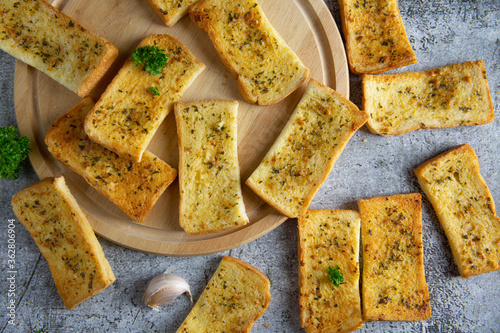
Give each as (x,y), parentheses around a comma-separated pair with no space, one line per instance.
(267,325)
(364,140)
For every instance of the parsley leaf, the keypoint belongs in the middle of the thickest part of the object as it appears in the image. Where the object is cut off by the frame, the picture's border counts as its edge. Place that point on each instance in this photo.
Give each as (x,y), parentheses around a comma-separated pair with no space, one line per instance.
(336,276)
(13,150)
(151,58)
(155,90)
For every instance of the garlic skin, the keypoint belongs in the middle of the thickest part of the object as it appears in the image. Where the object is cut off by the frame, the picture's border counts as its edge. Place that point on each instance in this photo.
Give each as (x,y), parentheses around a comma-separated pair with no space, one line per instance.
(164,288)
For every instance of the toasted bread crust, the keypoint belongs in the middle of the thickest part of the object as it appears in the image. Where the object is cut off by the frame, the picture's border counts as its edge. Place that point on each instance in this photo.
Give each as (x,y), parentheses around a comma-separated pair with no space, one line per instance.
(65,238)
(265,68)
(394,286)
(328,238)
(304,153)
(375,36)
(171,11)
(133,187)
(465,208)
(234,298)
(43,37)
(209,177)
(450,96)
(128,114)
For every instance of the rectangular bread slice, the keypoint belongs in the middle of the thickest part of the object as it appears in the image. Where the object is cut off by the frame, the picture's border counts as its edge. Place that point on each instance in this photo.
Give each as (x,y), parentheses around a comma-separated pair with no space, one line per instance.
(450,96)
(171,11)
(128,113)
(209,174)
(329,238)
(133,187)
(265,67)
(41,36)
(375,37)
(393,277)
(234,298)
(305,151)
(465,209)
(64,236)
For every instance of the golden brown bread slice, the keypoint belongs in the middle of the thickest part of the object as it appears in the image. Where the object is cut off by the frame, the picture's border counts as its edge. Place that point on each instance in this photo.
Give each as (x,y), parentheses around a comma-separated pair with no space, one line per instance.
(454,95)
(209,174)
(375,37)
(171,11)
(61,231)
(128,113)
(393,278)
(41,36)
(265,67)
(329,238)
(304,153)
(234,298)
(465,208)
(133,187)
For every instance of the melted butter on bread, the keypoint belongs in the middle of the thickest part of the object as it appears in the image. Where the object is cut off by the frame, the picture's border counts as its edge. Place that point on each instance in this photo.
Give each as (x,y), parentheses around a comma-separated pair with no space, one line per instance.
(265,67)
(329,238)
(304,153)
(375,36)
(234,298)
(209,175)
(43,37)
(465,209)
(394,286)
(454,95)
(128,113)
(133,187)
(65,238)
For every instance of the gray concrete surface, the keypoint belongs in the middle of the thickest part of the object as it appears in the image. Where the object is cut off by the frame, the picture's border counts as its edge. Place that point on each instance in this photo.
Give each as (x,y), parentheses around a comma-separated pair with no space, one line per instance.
(441,32)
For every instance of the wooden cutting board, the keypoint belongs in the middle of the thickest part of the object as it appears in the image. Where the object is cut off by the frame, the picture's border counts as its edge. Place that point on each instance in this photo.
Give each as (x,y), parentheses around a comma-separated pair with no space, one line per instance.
(309,30)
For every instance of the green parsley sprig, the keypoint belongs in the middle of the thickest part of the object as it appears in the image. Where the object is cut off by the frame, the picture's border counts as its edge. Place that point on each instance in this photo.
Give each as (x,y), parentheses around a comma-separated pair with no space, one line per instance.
(151,58)
(13,150)
(336,276)
(155,90)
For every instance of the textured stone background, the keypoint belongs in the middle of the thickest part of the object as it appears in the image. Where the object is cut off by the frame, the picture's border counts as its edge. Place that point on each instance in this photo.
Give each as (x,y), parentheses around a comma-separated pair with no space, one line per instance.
(442,33)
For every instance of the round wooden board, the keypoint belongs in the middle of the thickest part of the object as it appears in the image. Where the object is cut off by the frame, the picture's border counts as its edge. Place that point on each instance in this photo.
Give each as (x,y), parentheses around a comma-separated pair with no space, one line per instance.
(309,30)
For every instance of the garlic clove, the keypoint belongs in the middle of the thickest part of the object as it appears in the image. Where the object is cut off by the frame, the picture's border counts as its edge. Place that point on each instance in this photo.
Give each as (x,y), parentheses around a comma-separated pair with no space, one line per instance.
(164,288)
